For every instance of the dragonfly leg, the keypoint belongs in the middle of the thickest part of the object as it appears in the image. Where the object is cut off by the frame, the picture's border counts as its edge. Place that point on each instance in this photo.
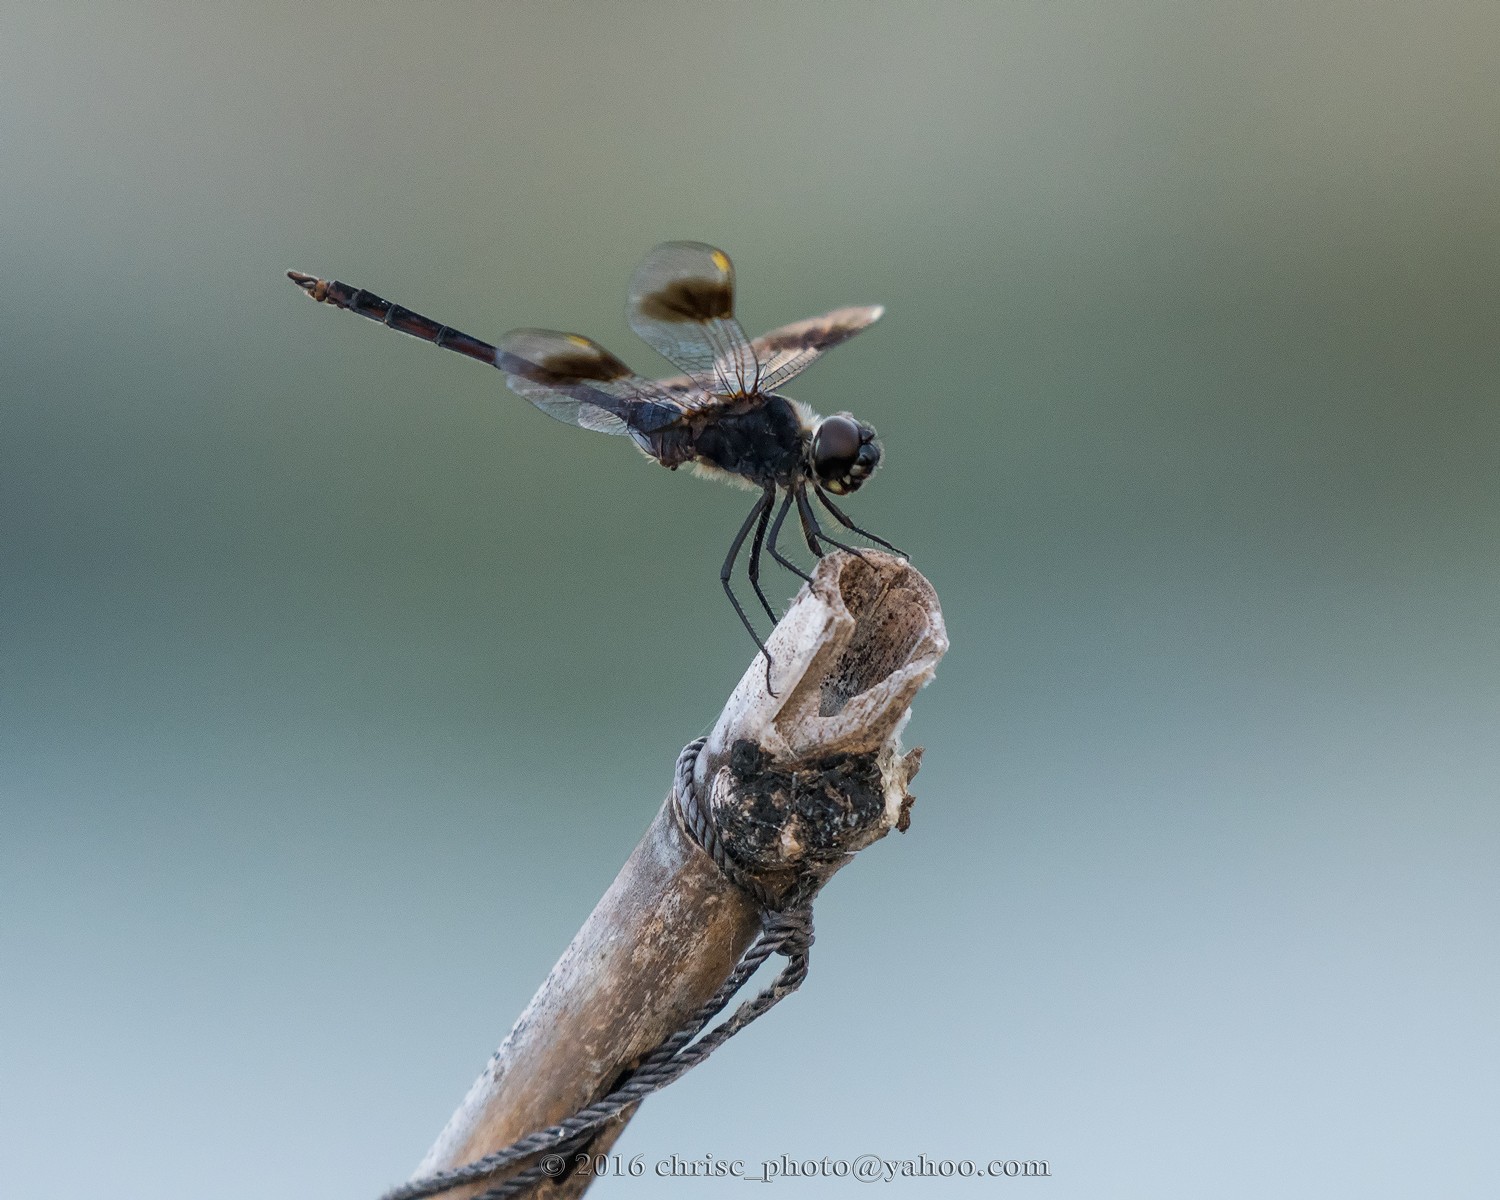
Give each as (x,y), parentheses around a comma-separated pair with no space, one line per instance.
(786,506)
(756,544)
(843,520)
(761,506)
(814,531)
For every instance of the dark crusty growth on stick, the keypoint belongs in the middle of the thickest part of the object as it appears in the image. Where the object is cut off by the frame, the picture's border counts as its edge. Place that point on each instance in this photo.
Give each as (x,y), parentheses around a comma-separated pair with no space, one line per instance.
(817,806)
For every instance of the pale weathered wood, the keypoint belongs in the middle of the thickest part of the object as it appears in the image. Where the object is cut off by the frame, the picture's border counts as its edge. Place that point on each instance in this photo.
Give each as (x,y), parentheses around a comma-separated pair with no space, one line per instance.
(849,656)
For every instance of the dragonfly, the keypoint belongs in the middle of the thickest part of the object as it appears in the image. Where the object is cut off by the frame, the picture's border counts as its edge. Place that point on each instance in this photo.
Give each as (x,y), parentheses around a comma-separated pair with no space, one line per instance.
(723,416)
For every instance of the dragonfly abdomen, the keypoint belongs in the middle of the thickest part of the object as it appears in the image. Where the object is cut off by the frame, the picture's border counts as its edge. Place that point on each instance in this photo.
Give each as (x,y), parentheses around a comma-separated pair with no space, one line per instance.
(402,320)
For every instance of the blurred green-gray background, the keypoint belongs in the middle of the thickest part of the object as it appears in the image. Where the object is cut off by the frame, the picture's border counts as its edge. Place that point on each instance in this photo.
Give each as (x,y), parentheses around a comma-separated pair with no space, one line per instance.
(338,682)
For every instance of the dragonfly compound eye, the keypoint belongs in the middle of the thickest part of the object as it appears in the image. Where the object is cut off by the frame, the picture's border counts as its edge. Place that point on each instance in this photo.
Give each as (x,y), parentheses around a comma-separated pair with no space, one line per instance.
(835,447)
(844,453)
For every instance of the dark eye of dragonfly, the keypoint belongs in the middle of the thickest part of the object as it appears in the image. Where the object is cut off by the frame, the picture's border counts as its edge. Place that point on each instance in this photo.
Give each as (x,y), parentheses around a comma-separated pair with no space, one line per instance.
(835,447)
(844,453)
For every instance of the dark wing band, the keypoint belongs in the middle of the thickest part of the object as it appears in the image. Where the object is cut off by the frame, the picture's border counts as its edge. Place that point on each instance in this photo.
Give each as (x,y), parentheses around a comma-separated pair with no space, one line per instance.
(682,304)
(785,353)
(578,381)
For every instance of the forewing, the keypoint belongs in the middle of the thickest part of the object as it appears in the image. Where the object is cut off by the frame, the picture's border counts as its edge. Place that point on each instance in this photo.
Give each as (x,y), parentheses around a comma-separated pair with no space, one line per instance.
(578,381)
(786,352)
(682,303)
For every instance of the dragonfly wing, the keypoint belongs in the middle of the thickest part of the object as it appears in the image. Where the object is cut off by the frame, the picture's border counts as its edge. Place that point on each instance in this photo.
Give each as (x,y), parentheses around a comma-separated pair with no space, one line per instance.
(785,353)
(578,381)
(682,304)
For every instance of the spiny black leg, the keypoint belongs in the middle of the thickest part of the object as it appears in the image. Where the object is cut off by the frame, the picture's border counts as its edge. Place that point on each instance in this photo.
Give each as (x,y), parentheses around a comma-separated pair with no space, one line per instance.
(839,516)
(786,507)
(755,547)
(728,569)
(814,531)
(807,530)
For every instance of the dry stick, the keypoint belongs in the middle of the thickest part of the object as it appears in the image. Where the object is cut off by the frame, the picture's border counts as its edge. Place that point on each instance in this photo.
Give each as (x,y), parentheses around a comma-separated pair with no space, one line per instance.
(794,783)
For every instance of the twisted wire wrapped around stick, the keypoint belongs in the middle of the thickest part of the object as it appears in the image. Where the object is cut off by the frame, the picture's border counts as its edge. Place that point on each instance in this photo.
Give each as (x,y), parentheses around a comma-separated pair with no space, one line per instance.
(786,928)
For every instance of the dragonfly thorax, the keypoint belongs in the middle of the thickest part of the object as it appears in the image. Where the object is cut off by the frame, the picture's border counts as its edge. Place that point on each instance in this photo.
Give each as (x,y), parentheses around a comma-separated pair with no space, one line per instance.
(767,445)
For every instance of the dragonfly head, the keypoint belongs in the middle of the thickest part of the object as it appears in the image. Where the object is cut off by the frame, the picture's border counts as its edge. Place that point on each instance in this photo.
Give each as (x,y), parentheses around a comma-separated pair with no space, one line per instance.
(843,453)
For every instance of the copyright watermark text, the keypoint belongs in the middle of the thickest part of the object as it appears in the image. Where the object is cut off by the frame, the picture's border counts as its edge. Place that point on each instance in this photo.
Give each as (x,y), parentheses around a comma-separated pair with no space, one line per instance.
(864,1168)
